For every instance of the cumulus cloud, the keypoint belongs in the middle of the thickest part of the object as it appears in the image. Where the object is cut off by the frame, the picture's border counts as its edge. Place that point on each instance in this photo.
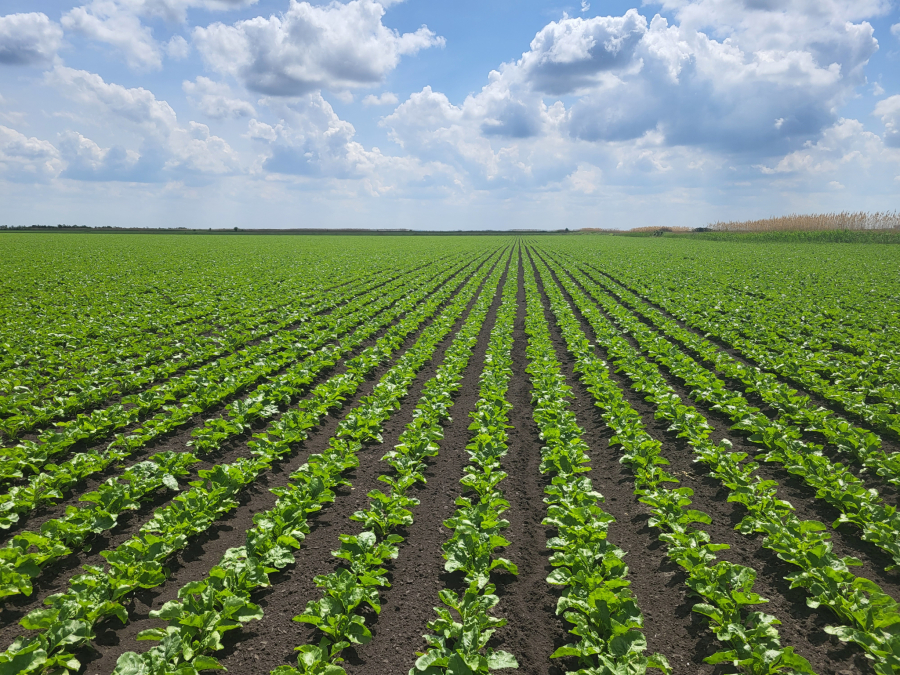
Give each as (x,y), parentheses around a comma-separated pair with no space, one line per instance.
(433,128)
(28,39)
(895,30)
(572,54)
(311,142)
(843,143)
(730,78)
(24,159)
(889,112)
(137,106)
(178,48)
(118,26)
(87,161)
(216,100)
(386,98)
(168,148)
(118,23)
(308,48)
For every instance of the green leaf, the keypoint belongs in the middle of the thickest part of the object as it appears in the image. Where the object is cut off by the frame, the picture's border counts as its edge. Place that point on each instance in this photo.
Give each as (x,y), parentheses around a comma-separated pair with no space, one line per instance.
(501,659)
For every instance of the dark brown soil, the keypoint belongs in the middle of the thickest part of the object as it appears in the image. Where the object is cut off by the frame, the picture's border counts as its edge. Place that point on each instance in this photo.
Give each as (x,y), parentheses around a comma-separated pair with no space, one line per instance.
(801,627)
(417,575)
(280,601)
(176,441)
(527,601)
(889,439)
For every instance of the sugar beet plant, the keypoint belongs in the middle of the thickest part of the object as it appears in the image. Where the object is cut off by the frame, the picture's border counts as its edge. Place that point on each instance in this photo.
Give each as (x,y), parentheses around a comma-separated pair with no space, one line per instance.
(139,562)
(150,385)
(203,612)
(869,616)
(458,641)
(30,551)
(337,615)
(596,598)
(859,505)
(726,589)
(54,480)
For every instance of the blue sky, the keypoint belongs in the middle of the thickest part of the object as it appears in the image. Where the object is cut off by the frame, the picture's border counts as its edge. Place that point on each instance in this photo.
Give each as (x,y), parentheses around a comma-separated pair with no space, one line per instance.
(432,115)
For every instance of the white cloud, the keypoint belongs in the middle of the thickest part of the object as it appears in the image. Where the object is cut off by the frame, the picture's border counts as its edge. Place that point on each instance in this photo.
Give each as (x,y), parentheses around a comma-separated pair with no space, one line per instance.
(108,21)
(85,160)
(310,139)
(586,179)
(308,48)
(649,96)
(310,142)
(585,6)
(118,24)
(178,48)
(386,98)
(27,39)
(168,148)
(175,11)
(137,106)
(215,99)
(895,30)
(889,112)
(24,159)
(574,53)
(844,143)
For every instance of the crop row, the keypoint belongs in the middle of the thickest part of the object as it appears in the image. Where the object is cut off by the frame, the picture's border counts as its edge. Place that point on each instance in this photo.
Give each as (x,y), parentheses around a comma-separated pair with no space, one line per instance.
(458,638)
(28,552)
(869,616)
(596,596)
(139,562)
(198,390)
(725,589)
(27,406)
(55,479)
(206,609)
(757,341)
(861,506)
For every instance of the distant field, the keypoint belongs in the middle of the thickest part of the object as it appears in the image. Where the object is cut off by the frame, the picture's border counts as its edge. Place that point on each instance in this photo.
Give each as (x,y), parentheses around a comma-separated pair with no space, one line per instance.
(585,453)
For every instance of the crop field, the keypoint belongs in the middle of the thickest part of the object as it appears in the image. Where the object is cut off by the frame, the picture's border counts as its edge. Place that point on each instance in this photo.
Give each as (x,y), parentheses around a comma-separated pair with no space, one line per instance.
(450,454)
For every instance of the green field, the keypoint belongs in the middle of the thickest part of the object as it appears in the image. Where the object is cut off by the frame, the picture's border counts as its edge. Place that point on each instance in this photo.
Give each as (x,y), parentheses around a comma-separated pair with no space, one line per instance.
(573,453)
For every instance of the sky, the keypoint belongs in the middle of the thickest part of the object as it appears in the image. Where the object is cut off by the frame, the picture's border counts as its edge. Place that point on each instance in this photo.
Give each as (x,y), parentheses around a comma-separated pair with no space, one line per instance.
(496,114)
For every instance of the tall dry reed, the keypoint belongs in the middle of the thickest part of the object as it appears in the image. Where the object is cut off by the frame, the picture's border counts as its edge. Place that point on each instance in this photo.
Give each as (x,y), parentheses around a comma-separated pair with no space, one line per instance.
(887,220)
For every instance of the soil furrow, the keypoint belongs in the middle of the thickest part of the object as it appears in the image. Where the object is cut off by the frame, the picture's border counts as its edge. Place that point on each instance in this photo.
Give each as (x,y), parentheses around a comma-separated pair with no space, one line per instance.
(671,628)
(802,627)
(177,440)
(889,443)
(417,575)
(194,562)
